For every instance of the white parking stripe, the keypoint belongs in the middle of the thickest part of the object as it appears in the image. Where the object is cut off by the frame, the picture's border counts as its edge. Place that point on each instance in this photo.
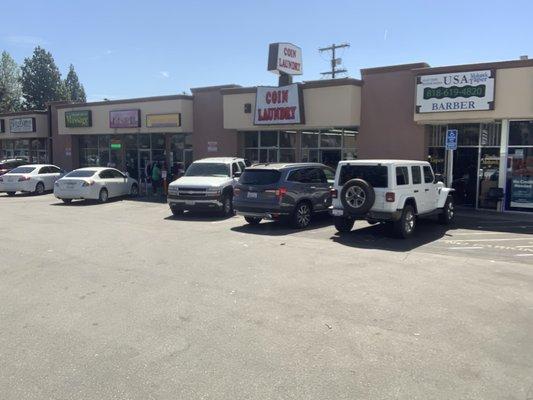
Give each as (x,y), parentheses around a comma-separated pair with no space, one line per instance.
(478,233)
(522,247)
(491,240)
(466,248)
(525,255)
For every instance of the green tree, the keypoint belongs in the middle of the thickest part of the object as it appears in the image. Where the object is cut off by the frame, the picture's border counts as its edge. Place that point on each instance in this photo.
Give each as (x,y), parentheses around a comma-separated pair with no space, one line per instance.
(10,87)
(75,90)
(41,80)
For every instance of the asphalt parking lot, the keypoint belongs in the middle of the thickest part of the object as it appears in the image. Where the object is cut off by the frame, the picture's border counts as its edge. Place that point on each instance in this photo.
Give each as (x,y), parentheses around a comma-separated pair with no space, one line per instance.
(124,301)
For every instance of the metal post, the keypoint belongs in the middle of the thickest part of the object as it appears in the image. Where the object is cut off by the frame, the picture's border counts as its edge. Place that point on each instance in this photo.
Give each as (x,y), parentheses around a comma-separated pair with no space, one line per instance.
(449,169)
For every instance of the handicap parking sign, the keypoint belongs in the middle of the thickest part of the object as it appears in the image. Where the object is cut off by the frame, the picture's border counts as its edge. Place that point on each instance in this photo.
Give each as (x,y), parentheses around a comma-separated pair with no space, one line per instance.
(451,139)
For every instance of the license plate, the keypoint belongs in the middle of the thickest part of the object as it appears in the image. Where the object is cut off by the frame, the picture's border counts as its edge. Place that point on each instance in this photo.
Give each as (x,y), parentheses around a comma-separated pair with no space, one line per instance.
(337,213)
(252,195)
(189,202)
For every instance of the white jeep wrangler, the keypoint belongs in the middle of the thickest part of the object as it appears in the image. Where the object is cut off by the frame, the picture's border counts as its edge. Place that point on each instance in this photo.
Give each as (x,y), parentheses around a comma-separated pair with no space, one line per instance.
(394,191)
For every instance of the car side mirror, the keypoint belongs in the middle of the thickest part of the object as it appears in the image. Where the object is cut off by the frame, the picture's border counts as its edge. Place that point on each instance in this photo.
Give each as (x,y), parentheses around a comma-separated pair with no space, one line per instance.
(438,178)
(237,174)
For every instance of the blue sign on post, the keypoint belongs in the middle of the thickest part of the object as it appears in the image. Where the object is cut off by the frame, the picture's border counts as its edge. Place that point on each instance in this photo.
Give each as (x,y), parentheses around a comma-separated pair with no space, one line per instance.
(451,139)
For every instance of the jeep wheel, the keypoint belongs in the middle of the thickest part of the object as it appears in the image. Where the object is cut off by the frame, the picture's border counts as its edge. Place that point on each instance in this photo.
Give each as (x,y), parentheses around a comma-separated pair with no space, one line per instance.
(405,226)
(343,224)
(448,212)
(357,196)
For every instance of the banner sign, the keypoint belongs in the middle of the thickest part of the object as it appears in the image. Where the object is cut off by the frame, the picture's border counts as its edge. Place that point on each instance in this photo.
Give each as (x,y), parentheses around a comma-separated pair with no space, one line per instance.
(125,119)
(285,58)
(22,125)
(78,119)
(279,105)
(163,120)
(460,91)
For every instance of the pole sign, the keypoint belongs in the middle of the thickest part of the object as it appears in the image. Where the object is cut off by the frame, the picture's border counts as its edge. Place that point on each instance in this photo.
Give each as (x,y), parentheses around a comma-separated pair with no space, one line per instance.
(451,139)
(279,105)
(455,91)
(285,58)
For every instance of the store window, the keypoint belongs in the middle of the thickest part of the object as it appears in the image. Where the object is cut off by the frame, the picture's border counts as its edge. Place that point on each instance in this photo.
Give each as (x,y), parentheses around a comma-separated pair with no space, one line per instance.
(270,146)
(520,166)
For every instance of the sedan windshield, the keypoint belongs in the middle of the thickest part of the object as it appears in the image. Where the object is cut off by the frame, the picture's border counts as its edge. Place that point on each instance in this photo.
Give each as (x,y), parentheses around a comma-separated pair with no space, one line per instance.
(85,173)
(208,169)
(22,170)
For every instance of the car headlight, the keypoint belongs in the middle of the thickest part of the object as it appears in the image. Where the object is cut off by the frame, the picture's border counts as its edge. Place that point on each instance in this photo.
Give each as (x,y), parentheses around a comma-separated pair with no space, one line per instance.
(172,189)
(214,191)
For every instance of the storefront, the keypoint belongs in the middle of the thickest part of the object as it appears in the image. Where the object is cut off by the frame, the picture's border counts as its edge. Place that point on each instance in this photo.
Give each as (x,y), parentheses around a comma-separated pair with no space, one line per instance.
(127,134)
(325,126)
(25,135)
(490,107)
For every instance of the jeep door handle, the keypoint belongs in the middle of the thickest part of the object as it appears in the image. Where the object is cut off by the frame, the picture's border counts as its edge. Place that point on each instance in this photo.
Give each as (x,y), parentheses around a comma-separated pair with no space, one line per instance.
(312,187)
(416,191)
(426,190)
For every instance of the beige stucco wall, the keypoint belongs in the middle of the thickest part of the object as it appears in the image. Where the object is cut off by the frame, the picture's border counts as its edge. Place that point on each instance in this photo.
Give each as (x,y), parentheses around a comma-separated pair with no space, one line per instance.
(41,127)
(332,106)
(100,117)
(513,99)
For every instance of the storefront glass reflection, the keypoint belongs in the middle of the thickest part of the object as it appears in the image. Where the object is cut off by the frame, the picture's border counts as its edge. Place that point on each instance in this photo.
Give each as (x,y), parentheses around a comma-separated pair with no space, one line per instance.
(520,166)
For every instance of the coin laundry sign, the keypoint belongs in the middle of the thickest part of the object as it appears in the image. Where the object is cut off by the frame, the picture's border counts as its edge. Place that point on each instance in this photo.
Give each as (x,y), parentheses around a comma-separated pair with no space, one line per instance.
(461,91)
(278,105)
(285,58)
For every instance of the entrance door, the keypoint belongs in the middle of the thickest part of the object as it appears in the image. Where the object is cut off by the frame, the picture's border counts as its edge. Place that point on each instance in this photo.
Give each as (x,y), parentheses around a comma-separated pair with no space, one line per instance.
(144,160)
(465,170)
(489,163)
(132,163)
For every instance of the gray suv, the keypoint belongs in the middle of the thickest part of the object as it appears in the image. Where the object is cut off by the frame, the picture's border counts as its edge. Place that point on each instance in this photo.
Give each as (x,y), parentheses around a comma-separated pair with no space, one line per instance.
(283,191)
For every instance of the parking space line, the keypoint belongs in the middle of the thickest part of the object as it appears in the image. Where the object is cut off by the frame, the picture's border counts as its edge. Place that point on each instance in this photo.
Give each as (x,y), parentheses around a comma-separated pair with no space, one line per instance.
(477,233)
(524,255)
(521,247)
(492,240)
(467,248)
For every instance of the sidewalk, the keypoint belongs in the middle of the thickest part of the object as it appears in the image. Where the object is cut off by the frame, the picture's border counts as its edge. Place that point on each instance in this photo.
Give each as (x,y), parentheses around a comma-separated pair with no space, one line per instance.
(482,215)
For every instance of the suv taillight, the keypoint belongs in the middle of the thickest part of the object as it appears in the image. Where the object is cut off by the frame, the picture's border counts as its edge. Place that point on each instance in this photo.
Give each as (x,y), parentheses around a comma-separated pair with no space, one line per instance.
(390,197)
(236,192)
(334,193)
(281,192)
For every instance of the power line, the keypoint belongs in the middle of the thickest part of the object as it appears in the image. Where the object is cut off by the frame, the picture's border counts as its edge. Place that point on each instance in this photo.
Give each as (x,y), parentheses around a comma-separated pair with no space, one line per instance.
(335,62)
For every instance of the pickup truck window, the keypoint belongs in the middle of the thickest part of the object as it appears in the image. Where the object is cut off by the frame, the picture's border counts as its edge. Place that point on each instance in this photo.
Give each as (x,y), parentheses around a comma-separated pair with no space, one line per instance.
(402,176)
(375,175)
(208,169)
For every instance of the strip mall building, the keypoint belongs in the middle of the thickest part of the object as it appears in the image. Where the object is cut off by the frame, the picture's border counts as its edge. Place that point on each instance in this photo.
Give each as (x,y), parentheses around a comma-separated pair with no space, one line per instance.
(399,111)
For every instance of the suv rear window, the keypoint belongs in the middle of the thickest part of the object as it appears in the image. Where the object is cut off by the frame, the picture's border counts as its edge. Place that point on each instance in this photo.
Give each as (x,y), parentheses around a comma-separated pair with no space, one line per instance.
(375,175)
(259,177)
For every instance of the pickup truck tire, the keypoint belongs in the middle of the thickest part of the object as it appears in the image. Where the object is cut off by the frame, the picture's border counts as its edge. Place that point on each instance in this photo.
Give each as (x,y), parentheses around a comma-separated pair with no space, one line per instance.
(227,205)
(67,201)
(357,196)
(405,226)
(343,224)
(253,220)
(448,212)
(10,194)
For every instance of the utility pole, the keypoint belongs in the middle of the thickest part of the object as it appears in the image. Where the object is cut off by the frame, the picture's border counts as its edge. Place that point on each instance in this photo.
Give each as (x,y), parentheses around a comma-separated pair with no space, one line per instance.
(334,61)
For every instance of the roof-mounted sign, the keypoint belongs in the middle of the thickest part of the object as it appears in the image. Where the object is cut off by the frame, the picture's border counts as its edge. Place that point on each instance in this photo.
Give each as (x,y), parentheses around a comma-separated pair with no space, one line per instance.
(22,125)
(455,91)
(285,58)
(125,118)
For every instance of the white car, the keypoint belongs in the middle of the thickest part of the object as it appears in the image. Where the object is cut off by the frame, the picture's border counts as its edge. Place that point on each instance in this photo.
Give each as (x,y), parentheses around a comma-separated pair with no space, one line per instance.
(31,178)
(391,191)
(95,183)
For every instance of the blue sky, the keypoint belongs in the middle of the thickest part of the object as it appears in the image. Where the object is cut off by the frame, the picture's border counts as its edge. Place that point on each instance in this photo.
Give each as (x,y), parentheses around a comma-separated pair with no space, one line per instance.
(137,48)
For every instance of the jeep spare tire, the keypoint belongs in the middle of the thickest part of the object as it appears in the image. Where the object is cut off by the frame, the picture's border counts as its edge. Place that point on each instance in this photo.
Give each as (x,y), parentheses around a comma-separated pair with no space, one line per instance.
(357,196)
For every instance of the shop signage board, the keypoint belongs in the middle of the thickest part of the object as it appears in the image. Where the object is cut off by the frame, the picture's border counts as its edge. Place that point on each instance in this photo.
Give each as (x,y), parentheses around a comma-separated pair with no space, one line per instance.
(285,58)
(279,105)
(522,191)
(451,139)
(163,120)
(212,147)
(78,119)
(22,125)
(125,118)
(455,91)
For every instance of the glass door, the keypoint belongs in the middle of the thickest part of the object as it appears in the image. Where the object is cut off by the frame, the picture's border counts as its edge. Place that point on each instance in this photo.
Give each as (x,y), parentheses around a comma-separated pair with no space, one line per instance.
(465,167)
(489,171)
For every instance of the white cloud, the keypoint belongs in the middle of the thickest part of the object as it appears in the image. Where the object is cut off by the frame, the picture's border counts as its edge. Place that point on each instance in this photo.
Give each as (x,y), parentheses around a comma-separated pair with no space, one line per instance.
(164,74)
(25,40)
(386,34)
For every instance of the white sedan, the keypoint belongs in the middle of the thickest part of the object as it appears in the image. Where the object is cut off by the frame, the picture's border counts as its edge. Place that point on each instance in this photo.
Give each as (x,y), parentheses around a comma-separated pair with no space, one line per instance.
(32,178)
(95,183)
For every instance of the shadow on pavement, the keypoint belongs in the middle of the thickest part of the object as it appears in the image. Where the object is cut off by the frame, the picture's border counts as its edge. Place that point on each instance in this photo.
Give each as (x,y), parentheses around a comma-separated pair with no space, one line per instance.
(494,222)
(282,228)
(190,216)
(381,236)
(86,203)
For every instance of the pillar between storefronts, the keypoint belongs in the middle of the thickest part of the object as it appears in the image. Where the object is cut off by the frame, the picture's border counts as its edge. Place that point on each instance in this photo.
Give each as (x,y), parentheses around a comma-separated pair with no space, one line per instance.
(502,178)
